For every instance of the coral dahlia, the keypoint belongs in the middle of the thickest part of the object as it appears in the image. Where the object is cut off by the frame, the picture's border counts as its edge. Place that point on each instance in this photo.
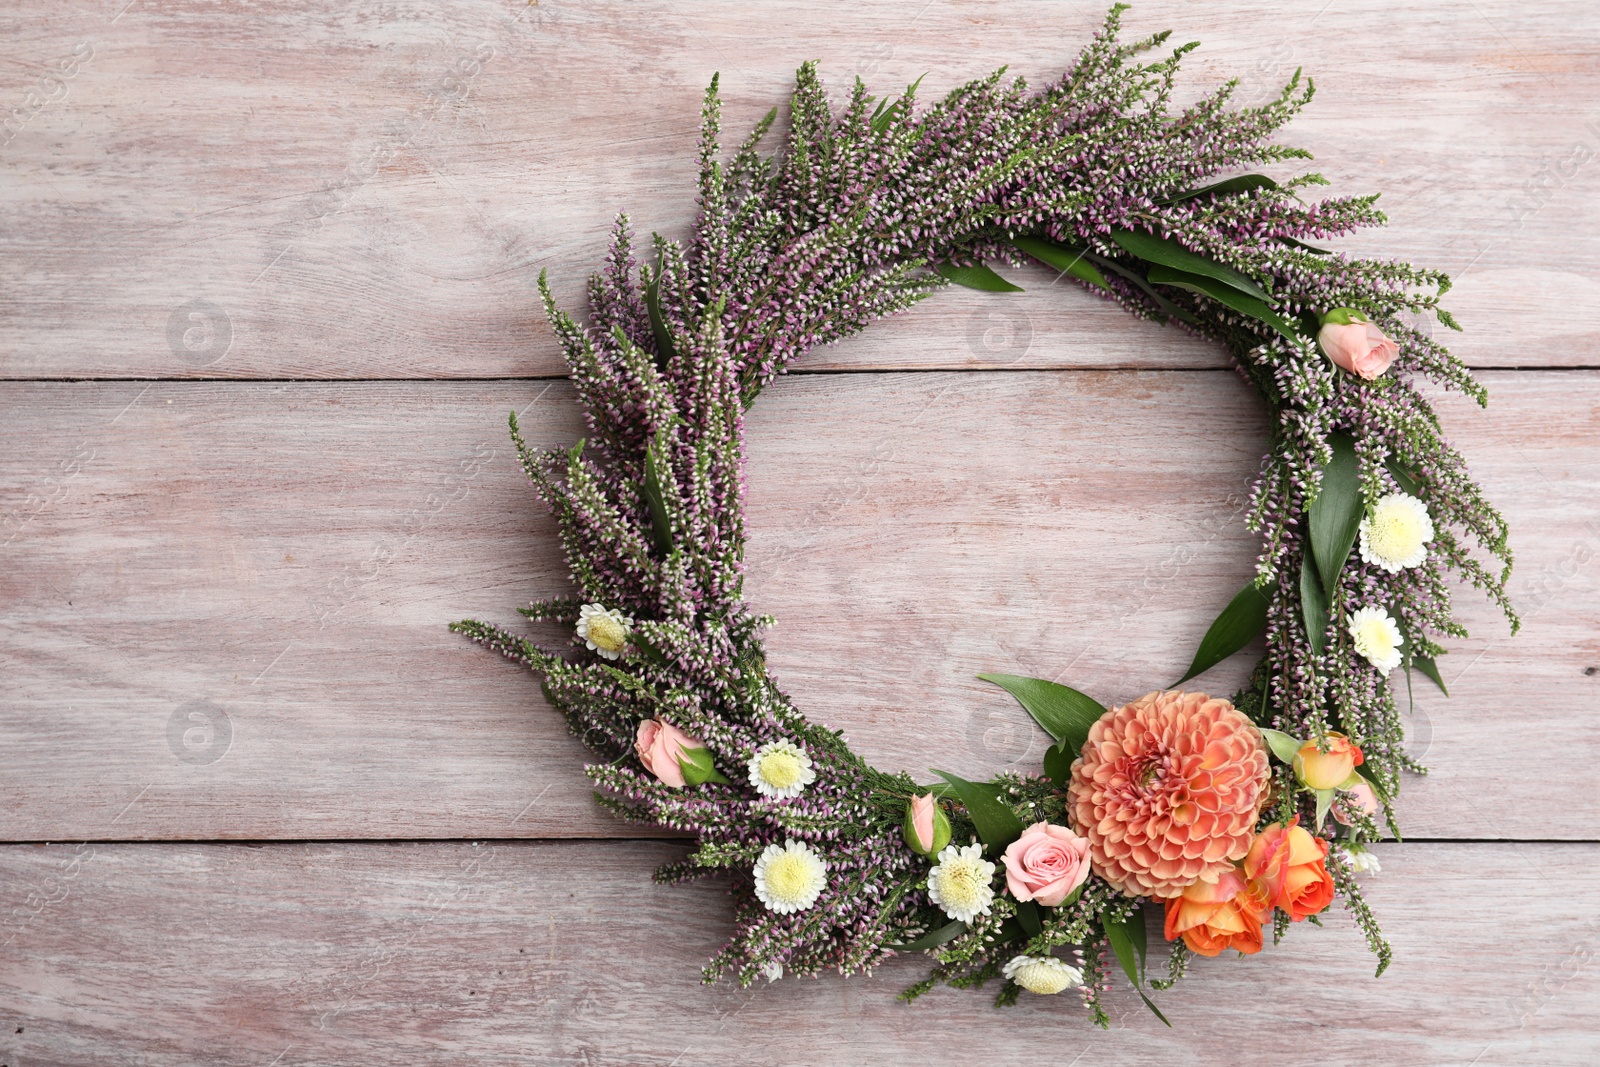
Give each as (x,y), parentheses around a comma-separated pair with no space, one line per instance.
(1167,791)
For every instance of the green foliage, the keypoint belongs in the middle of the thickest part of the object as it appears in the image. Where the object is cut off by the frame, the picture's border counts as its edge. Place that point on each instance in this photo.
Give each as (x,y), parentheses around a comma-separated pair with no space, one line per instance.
(1065,713)
(1241,622)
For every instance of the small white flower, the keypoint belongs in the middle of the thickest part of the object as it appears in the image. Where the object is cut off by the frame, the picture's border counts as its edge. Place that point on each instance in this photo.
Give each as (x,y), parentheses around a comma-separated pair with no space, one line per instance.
(781,769)
(1362,861)
(604,629)
(1377,637)
(1042,974)
(960,883)
(790,877)
(772,971)
(1395,536)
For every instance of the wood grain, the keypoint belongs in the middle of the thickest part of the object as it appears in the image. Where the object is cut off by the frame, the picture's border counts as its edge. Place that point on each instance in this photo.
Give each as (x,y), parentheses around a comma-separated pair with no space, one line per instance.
(288,555)
(559,953)
(371,192)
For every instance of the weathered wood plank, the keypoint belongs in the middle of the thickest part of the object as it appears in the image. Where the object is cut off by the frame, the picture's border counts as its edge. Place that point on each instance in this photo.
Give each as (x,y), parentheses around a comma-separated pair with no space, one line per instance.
(288,555)
(312,193)
(546,953)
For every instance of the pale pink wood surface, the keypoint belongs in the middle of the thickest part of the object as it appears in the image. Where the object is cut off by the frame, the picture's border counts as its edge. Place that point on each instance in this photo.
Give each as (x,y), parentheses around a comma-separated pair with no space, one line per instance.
(372,191)
(289,554)
(567,953)
(368,192)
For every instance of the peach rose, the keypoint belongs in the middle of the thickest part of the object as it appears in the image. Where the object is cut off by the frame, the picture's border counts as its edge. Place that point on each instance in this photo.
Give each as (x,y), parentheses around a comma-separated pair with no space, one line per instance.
(659,744)
(1365,802)
(1327,770)
(1358,347)
(1046,863)
(1290,866)
(1212,916)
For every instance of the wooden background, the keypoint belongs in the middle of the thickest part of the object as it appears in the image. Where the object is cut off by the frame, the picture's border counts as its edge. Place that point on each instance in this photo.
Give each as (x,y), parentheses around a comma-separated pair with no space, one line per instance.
(266,295)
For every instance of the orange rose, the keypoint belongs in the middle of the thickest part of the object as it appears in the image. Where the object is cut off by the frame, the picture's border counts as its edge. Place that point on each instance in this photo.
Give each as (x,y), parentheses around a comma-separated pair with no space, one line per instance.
(1327,770)
(1287,866)
(1212,916)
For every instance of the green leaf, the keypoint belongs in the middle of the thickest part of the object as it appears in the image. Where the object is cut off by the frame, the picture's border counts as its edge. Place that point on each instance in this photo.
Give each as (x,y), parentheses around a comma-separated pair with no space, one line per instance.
(1127,937)
(933,939)
(1028,916)
(1283,746)
(1058,765)
(1227,297)
(697,767)
(996,823)
(1324,802)
(1065,713)
(979,277)
(1066,258)
(1167,307)
(1335,515)
(1240,622)
(1407,481)
(665,349)
(1241,184)
(1152,1006)
(1169,253)
(1296,242)
(885,112)
(1342,317)
(1313,605)
(660,524)
(1428,666)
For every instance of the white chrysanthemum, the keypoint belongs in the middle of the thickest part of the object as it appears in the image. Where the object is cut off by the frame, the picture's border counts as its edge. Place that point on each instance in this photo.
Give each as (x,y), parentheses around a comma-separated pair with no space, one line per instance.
(603,629)
(790,877)
(960,883)
(772,971)
(1362,862)
(1042,974)
(1377,637)
(781,769)
(1396,535)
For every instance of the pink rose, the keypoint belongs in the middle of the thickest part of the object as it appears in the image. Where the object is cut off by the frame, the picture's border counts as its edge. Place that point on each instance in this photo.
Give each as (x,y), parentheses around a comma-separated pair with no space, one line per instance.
(1046,863)
(1358,347)
(659,744)
(1366,800)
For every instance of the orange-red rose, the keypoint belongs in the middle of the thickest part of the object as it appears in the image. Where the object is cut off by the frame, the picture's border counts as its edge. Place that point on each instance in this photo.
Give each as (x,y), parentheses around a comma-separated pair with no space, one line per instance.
(1212,916)
(1288,867)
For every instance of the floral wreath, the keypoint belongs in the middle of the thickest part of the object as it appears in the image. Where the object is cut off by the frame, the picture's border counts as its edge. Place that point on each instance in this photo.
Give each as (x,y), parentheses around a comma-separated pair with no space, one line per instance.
(1218,809)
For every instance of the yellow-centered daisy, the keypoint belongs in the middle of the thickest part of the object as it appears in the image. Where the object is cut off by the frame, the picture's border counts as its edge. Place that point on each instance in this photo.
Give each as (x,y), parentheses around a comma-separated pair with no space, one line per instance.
(604,630)
(781,770)
(1042,974)
(1396,534)
(790,877)
(1377,637)
(960,884)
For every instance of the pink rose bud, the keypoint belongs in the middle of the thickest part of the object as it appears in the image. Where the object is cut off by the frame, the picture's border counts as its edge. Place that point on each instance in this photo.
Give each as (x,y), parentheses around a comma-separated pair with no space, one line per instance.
(1046,863)
(1355,345)
(927,828)
(659,745)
